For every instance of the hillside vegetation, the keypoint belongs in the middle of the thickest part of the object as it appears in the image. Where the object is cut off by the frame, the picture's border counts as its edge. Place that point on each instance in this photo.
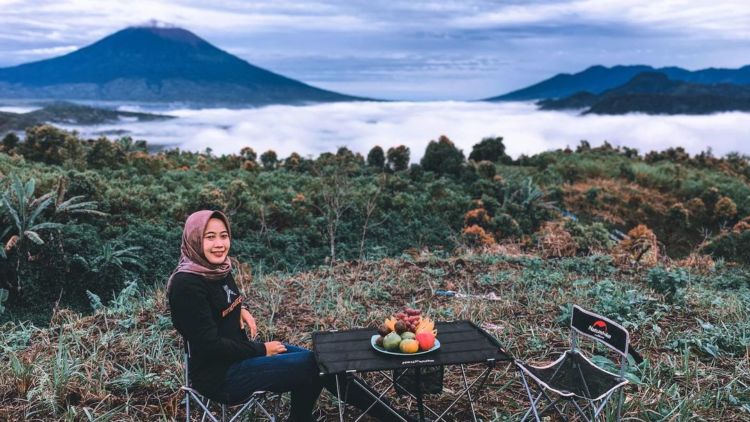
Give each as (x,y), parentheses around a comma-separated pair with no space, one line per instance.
(91,228)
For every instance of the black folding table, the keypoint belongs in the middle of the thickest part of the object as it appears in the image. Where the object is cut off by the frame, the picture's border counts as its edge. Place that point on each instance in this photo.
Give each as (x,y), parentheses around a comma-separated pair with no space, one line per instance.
(347,352)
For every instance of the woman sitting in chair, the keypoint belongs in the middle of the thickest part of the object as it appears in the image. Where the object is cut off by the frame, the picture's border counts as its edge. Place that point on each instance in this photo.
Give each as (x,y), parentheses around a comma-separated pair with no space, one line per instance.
(207,310)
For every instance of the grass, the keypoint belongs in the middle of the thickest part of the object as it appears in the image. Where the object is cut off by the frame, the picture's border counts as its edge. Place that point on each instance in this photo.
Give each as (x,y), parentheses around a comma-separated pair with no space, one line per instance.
(124,361)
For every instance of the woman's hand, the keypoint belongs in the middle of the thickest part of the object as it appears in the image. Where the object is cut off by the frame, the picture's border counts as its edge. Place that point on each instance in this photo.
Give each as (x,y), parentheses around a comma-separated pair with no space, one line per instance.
(246,319)
(274,348)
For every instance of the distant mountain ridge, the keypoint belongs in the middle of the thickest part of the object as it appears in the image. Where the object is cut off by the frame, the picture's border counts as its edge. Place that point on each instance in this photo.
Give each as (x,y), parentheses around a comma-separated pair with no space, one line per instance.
(597,79)
(655,93)
(155,64)
(72,114)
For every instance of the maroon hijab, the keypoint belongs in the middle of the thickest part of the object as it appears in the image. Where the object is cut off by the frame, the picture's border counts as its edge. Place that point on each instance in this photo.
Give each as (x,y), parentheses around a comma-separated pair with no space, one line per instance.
(192,259)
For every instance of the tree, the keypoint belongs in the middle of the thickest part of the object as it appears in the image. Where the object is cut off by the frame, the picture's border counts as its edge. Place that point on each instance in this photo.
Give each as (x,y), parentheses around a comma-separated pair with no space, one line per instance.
(490,149)
(127,145)
(376,158)
(269,159)
(25,210)
(10,141)
(248,154)
(371,193)
(51,145)
(105,154)
(332,193)
(398,158)
(442,157)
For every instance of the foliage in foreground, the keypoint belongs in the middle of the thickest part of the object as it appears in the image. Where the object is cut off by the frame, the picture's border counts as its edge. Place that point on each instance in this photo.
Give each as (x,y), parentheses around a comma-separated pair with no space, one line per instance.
(123,362)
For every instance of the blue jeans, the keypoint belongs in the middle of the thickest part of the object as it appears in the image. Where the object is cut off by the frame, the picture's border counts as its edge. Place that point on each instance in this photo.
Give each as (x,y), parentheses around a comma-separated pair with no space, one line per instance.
(295,371)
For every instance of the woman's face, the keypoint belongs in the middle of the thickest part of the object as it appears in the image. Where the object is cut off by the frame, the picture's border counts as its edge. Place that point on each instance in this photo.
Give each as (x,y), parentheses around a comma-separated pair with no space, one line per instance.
(215,241)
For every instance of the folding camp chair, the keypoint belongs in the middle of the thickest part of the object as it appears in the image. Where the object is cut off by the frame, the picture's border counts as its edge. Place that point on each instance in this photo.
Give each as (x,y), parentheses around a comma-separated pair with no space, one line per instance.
(573,377)
(255,400)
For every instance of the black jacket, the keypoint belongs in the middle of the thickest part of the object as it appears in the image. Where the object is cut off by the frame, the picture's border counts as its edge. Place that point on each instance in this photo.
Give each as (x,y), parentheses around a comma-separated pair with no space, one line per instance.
(207,315)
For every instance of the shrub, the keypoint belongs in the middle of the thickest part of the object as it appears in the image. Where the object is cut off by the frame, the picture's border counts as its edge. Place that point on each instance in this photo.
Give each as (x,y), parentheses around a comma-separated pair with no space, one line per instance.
(591,238)
(733,245)
(486,169)
(697,263)
(627,306)
(506,226)
(725,209)
(476,217)
(638,248)
(668,282)
(677,216)
(476,236)
(742,225)
(554,241)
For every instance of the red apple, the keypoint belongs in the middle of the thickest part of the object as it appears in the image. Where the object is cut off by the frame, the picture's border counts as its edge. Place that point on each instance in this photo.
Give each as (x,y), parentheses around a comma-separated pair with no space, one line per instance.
(426,340)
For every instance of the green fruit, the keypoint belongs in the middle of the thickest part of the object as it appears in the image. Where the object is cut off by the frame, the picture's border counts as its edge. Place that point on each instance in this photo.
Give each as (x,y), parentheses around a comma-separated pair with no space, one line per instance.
(408,335)
(391,341)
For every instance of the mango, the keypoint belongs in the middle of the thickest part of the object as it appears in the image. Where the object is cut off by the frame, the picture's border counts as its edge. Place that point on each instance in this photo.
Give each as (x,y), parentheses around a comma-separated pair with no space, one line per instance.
(409,346)
(391,341)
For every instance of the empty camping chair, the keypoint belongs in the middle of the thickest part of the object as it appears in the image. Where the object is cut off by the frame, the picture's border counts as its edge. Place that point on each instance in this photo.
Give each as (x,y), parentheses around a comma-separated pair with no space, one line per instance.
(255,401)
(573,378)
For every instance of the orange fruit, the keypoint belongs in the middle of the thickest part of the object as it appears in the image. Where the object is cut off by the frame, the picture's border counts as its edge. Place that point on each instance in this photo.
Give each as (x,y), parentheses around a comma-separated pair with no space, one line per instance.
(409,346)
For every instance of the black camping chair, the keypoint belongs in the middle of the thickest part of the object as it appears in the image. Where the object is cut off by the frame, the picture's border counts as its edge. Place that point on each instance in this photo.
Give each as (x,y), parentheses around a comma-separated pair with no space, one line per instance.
(573,377)
(255,401)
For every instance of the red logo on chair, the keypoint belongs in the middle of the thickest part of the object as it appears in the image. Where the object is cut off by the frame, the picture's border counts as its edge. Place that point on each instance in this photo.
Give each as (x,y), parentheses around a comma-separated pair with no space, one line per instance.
(599,329)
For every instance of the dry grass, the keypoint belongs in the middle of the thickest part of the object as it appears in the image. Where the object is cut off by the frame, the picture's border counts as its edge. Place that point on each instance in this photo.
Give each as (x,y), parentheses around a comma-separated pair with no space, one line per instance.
(123,363)
(617,202)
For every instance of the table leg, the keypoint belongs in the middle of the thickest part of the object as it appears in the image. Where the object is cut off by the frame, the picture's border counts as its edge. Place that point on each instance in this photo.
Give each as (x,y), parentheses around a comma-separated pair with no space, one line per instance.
(483,376)
(339,399)
(380,400)
(468,393)
(420,401)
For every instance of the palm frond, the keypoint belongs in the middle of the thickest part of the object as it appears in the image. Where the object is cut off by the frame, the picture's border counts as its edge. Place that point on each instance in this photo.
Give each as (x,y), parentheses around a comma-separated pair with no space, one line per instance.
(68,202)
(12,211)
(46,226)
(39,209)
(34,236)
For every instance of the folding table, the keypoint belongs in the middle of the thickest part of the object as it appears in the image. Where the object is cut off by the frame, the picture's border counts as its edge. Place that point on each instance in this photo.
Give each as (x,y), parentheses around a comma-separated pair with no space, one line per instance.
(347,352)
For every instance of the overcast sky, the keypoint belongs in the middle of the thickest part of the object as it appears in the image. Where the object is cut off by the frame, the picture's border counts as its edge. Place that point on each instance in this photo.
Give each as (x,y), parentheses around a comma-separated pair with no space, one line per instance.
(408,49)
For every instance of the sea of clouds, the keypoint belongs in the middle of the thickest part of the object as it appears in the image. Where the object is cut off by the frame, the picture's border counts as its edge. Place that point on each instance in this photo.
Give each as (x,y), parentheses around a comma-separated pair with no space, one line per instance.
(313,129)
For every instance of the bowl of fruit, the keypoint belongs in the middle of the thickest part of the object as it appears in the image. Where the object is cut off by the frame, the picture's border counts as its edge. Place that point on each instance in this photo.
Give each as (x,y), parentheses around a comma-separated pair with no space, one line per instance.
(406,333)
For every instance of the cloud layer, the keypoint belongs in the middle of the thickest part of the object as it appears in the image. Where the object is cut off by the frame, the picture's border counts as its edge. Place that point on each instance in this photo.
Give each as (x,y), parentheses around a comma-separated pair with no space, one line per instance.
(310,130)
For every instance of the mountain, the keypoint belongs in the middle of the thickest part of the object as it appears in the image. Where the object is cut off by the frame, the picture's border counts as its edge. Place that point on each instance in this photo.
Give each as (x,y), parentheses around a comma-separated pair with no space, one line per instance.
(155,64)
(597,79)
(72,114)
(655,93)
